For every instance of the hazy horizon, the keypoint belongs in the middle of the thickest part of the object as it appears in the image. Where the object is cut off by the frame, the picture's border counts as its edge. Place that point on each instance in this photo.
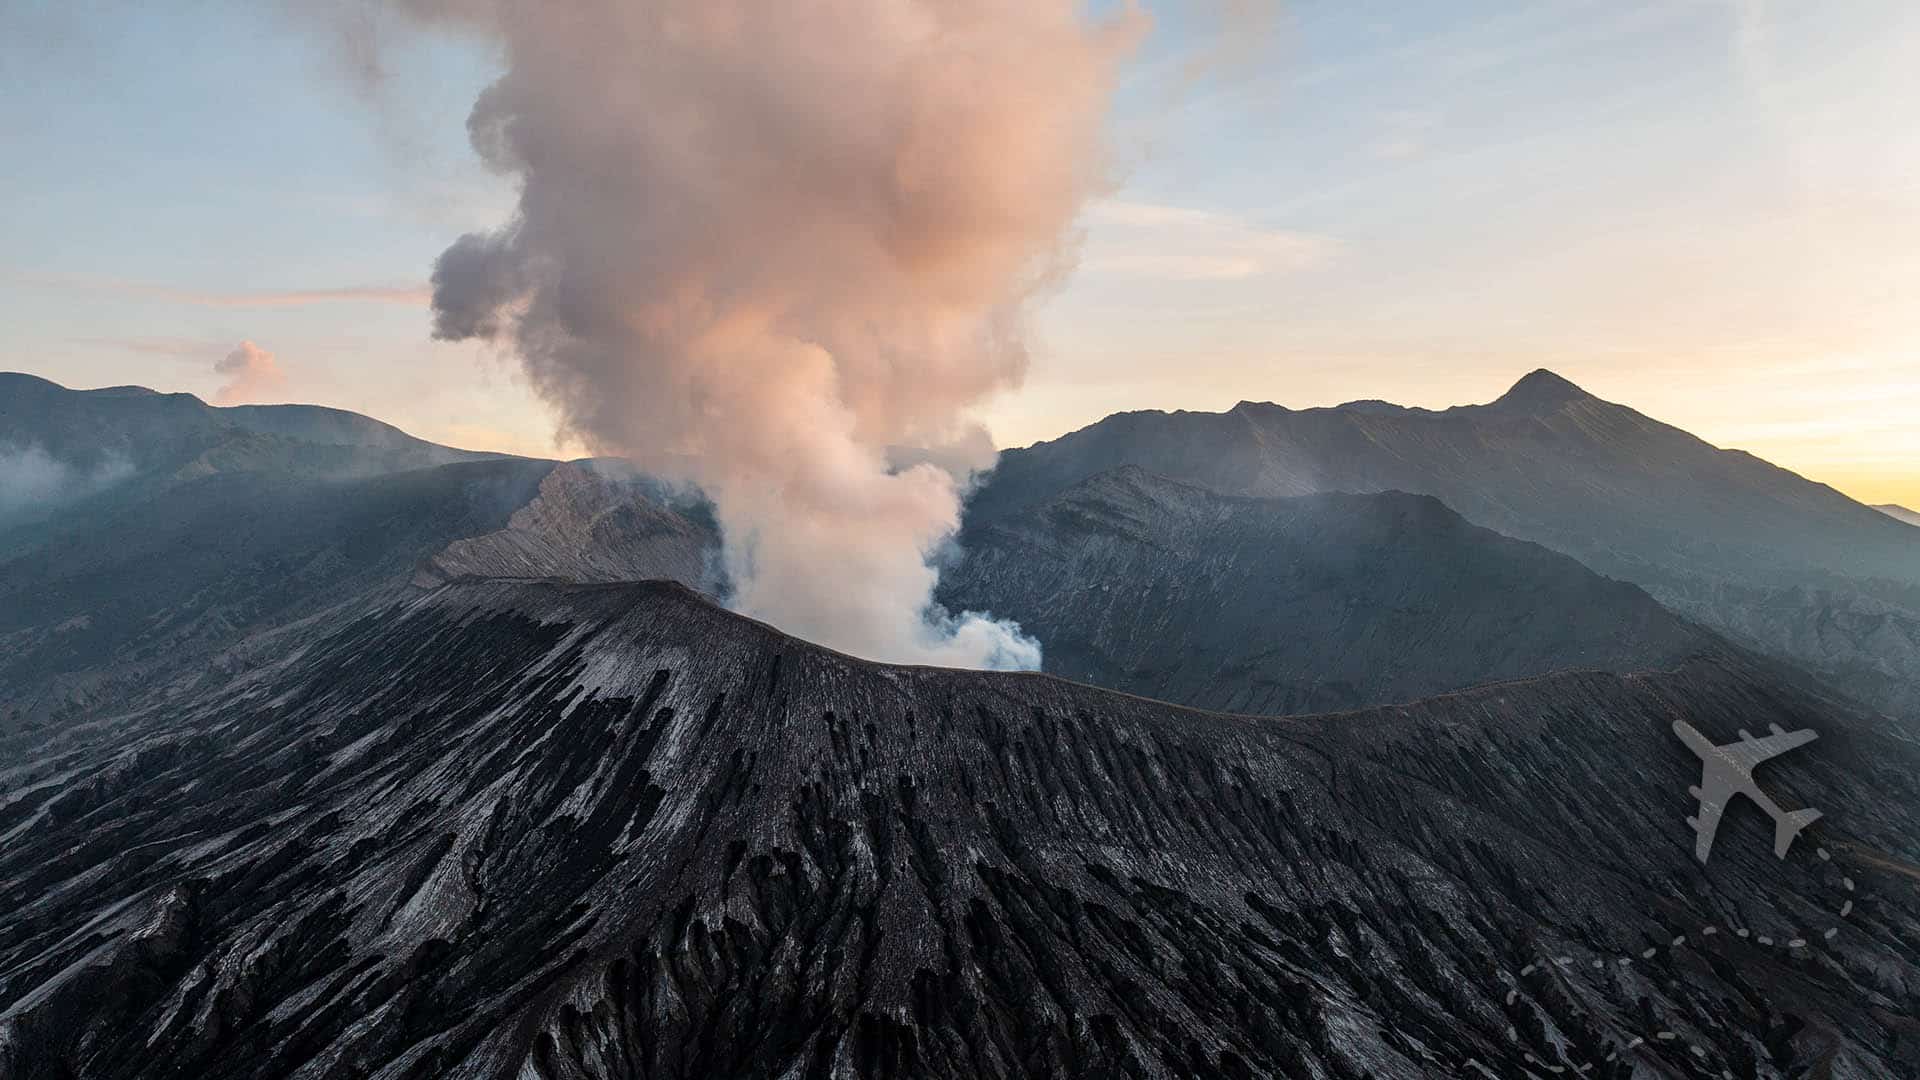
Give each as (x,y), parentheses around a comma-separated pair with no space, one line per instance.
(766,718)
(1702,211)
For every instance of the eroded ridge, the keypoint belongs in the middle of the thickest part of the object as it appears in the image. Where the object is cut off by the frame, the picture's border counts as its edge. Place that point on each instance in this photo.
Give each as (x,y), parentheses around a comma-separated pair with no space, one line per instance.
(566,831)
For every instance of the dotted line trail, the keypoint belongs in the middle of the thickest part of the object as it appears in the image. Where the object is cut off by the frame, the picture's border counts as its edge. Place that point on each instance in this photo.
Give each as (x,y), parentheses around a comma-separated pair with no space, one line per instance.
(1663,1036)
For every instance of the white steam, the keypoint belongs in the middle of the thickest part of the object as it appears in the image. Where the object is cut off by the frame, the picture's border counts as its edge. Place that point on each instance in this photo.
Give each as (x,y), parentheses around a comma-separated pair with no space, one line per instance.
(253,375)
(34,482)
(759,243)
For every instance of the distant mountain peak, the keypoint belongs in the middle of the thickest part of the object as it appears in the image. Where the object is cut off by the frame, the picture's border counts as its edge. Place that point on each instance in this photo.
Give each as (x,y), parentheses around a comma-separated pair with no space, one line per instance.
(1373,405)
(1541,389)
(1899,513)
(20,380)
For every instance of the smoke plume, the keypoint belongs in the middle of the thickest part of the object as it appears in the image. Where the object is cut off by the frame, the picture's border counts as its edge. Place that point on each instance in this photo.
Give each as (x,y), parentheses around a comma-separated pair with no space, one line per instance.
(758,243)
(253,375)
(33,482)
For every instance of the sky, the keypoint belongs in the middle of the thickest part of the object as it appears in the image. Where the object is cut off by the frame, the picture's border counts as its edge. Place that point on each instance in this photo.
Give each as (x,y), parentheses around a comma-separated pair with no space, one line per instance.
(1706,209)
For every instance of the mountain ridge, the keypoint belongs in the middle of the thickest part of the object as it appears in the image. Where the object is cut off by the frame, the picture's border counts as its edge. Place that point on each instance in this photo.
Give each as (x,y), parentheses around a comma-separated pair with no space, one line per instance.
(1782,564)
(309,423)
(613,830)
(1899,513)
(272,512)
(1303,603)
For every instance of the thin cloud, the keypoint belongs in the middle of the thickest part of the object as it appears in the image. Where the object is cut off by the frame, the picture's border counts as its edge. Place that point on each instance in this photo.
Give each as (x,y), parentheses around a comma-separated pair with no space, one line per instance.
(407,295)
(1243,30)
(176,348)
(1150,240)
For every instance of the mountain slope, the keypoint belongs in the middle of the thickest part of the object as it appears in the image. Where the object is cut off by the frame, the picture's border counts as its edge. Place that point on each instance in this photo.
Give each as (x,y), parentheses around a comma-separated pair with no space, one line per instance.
(142,591)
(505,830)
(1305,604)
(1899,513)
(593,522)
(153,431)
(141,533)
(1784,564)
(145,593)
(69,458)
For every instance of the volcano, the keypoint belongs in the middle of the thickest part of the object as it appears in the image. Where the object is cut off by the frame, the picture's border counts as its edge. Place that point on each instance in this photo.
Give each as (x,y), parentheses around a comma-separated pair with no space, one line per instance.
(530,829)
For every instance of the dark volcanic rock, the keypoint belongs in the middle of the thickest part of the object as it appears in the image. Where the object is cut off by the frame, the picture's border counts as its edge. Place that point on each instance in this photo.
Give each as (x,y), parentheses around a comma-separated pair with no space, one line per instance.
(530,830)
(165,530)
(153,433)
(149,590)
(1719,536)
(1303,604)
(139,531)
(593,522)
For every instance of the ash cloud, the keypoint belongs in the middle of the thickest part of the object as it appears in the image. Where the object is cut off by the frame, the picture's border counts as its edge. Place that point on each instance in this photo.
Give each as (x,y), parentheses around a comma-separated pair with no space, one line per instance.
(760,246)
(253,376)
